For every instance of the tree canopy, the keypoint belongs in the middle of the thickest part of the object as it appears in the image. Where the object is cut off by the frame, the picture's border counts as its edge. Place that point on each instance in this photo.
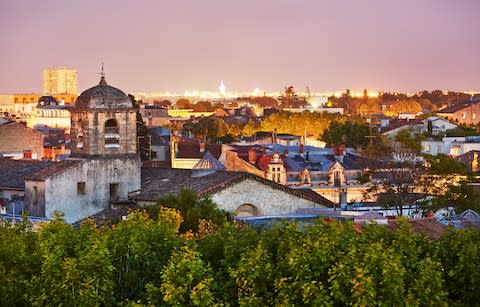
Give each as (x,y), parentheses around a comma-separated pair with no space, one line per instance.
(147,261)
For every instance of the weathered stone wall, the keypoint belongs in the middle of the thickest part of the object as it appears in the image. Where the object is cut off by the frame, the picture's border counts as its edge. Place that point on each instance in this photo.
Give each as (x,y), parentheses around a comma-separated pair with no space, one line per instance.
(61,193)
(93,125)
(267,200)
(34,203)
(15,138)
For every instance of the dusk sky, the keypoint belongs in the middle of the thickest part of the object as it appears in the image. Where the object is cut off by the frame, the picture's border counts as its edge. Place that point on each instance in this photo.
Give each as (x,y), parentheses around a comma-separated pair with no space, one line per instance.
(194,44)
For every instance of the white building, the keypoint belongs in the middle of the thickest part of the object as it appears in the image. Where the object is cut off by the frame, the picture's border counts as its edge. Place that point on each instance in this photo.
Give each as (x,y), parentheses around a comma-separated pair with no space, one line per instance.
(452,146)
(104,167)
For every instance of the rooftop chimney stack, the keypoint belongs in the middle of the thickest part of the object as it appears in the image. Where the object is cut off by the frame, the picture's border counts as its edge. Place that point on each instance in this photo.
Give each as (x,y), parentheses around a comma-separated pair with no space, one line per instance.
(252,156)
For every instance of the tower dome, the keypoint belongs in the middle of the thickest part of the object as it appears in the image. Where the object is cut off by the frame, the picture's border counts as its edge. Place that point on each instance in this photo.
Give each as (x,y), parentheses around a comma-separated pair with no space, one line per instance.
(103,122)
(103,96)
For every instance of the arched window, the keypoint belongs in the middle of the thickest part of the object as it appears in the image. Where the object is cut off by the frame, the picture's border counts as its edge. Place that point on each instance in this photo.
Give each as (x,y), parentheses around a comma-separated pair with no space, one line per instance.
(247,210)
(79,133)
(112,137)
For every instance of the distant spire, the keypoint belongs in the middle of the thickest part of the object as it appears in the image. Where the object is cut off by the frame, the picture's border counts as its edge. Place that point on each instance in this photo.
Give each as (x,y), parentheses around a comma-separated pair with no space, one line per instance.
(102,78)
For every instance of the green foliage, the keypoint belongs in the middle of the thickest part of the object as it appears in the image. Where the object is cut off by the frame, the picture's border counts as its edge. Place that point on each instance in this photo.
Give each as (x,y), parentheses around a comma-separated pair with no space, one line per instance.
(409,141)
(140,247)
(349,133)
(76,268)
(459,253)
(145,261)
(192,209)
(210,128)
(143,139)
(186,281)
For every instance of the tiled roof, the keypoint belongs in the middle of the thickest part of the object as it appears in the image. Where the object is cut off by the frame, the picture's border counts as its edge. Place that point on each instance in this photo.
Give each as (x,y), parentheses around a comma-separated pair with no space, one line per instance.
(397,123)
(13,172)
(158,182)
(427,226)
(191,150)
(456,107)
(207,165)
(110,216)
(319,159)
(53,169)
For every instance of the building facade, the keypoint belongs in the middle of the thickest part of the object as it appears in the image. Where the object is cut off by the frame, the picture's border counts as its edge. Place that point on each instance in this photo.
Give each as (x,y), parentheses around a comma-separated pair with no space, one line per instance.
(59,80)
(104,167)
(16,141)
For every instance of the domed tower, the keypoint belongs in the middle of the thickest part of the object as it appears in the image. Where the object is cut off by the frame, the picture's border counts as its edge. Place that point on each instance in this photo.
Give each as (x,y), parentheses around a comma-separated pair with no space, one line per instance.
(103,122)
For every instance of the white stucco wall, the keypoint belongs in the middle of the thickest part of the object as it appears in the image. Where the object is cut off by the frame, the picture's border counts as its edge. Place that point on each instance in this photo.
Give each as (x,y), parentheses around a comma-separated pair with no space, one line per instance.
(269,201)
(61,189)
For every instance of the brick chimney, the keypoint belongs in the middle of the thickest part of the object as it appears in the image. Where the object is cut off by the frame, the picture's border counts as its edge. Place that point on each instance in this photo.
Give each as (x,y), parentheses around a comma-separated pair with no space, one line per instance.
(264,151)
(27,154)
(339,152)
(202,146)
(252,156)
(302,148)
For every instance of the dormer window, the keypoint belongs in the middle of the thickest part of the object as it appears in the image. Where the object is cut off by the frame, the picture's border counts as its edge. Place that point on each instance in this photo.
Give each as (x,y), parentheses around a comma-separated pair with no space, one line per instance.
(112,136)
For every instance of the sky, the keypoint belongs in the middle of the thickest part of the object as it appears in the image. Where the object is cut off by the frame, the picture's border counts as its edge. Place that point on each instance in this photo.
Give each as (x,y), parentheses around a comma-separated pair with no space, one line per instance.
(178,45)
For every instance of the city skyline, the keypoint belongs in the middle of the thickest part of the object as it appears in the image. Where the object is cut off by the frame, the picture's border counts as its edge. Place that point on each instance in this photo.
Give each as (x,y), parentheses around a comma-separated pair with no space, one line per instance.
(189,45)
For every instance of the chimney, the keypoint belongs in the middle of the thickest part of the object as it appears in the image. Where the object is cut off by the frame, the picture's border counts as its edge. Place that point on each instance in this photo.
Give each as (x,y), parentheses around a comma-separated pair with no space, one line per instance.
(252,156)
(302,148)
(339,152)
(264,151)
(202,146)
(306,158)
(27,154)
(286,152)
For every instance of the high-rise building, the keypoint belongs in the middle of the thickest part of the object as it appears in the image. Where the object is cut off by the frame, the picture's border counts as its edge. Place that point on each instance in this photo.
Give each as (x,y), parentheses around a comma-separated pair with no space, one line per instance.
(59,80)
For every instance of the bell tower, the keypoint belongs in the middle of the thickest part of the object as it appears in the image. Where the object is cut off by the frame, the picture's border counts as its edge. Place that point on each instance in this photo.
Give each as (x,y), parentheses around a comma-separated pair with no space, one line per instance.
(103,122)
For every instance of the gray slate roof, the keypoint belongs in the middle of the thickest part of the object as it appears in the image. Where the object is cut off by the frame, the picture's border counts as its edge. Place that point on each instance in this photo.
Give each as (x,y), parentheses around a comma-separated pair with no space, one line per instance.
(158,182)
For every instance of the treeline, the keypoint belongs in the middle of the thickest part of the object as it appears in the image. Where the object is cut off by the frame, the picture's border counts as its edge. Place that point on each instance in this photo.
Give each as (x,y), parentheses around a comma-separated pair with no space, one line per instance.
(391,104)
(309,123)
(143,261)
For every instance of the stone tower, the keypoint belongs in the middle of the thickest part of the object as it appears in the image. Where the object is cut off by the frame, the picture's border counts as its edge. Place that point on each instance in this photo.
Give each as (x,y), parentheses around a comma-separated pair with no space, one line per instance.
(103,122)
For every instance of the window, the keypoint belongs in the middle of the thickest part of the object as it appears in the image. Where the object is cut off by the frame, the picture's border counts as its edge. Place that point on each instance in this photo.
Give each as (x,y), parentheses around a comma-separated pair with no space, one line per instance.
(427,148)
(81,188)
(80,134)
(336,178)
(35,196)
(112,136)
(113,191)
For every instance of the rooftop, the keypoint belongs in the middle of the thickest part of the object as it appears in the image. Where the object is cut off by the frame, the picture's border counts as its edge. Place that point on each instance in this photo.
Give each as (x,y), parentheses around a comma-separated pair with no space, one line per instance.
(157,182)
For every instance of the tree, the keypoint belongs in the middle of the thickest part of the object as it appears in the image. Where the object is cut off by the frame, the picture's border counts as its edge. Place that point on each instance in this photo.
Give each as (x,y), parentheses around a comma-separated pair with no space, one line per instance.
(211,128)
(264,101)
(186,281)
(349,133)
(408,141)
(192,209)
(290,99)
(447,180)
(183,103)
(143,138)
(162,103)
(203,106)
